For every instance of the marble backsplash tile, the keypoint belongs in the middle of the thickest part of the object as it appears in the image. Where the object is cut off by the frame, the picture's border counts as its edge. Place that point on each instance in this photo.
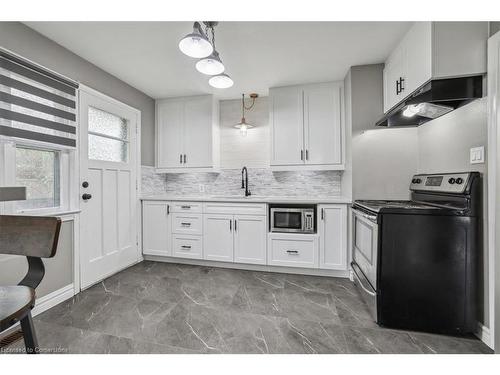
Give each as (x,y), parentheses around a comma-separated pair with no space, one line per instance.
(228,182)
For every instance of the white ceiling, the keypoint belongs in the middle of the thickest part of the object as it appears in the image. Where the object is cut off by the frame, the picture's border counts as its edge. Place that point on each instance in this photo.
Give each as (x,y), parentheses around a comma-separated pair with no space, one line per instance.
(257,55)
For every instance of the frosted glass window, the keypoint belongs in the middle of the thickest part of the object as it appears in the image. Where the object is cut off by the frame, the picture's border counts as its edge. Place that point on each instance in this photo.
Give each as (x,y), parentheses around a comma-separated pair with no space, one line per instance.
(107,149)
(106,123)
(38,170)
(108,136)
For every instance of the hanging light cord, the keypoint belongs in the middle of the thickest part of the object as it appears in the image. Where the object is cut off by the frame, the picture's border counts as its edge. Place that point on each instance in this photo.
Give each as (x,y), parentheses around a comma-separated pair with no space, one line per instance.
(251,105)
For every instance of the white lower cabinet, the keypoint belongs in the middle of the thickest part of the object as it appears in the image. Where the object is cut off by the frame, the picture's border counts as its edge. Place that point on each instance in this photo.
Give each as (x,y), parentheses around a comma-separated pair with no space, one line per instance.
(156,228)
(332,228)
(293,250)
(218,237)
(250,239)
(238,232)
(238,238)
(187,246)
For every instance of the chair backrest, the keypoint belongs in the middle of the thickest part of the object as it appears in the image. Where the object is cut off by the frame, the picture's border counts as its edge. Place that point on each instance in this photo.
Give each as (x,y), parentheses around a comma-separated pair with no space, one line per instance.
(32,236)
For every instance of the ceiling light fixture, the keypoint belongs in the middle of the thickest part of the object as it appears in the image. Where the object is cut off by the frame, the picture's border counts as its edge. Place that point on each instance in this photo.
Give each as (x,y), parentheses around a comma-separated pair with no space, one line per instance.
(243,125)
(196,44)
(221,81)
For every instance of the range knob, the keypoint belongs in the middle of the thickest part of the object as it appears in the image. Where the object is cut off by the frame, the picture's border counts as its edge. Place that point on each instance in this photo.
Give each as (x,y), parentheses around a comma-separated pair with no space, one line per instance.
(416,181)
(459,180)
(451,181)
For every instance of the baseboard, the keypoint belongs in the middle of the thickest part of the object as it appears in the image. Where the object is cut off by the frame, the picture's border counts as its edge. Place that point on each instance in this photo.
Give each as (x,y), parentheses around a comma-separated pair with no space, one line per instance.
(483,334)
(50,300)
(250,267)
(46,302)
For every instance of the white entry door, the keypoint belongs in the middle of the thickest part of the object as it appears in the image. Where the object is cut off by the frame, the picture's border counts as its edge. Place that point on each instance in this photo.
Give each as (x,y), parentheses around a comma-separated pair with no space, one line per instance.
(108,187)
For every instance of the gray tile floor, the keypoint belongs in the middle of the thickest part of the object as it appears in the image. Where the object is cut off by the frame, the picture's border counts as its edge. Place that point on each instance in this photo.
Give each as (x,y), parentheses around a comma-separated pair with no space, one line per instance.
(172,308)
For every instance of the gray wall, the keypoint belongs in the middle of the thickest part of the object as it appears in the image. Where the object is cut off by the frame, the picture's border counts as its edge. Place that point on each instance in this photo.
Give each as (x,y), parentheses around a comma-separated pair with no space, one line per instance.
(26,42)
(58,270)
(443,146)
(494,27)
(383,160)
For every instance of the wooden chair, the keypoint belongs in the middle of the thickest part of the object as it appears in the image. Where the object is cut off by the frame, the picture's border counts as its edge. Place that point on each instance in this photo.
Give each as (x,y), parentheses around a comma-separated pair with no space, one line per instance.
(36,238)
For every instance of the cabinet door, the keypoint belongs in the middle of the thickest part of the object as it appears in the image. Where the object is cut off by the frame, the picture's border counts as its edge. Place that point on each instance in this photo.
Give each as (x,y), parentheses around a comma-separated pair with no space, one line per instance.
(322,124)
(418,47)
(198,132)
(156,228)
(287,129)
(394,71)
(218,237)
(250,234)
(333,237)
(170,128)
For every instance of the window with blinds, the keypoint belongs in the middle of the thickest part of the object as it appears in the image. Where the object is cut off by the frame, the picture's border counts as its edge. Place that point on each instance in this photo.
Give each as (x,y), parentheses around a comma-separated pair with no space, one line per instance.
(36,104)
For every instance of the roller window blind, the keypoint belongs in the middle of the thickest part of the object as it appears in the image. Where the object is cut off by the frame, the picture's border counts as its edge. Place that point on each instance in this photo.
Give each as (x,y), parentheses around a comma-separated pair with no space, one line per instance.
(35,103)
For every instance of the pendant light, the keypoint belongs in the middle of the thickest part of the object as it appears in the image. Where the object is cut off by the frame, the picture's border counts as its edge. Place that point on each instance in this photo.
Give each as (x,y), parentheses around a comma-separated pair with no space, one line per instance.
(211,65)
(243,125)
(221,81)
(196,44)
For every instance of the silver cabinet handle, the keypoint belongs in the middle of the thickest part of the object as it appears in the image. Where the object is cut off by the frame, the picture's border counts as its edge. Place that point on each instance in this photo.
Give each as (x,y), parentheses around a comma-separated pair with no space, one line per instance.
(186,224)
(292,252)
(186,246)
(185,207)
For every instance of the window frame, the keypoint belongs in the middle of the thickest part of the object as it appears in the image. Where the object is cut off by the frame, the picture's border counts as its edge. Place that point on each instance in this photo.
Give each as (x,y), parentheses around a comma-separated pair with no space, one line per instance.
(67,173)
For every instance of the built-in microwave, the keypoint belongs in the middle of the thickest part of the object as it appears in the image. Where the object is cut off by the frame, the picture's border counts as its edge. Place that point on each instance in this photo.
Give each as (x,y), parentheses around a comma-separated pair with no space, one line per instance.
(292,218)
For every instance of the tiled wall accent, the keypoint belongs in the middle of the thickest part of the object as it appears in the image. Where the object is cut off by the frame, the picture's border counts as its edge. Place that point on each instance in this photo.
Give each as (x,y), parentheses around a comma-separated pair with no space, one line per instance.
(228,182)
(151,182)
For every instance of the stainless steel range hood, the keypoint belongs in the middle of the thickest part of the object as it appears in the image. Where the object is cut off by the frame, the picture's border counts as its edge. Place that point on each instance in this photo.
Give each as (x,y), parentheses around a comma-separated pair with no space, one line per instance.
(433,99)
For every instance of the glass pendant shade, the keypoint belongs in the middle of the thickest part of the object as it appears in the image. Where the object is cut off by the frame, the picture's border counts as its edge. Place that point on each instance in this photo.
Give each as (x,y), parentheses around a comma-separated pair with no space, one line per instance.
(196,44)
(210,65)
(221,81)
(243,126)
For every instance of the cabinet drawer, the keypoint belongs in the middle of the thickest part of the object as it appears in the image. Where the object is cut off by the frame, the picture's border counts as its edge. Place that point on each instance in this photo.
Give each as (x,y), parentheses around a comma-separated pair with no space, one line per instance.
(235,208)
(187,246)
(187,224)
(294,250)
(194,207)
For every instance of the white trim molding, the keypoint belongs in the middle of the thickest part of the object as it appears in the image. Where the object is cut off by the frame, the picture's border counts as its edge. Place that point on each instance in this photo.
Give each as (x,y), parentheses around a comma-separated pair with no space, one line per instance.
(483,334)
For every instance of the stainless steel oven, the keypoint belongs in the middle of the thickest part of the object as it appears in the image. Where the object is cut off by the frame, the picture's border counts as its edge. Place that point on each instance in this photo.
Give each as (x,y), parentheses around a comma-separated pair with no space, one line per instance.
(364,255)
(291,218)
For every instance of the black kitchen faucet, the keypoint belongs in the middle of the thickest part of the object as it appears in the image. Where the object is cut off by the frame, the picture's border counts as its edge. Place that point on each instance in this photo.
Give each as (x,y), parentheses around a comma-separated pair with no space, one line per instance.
(244,181)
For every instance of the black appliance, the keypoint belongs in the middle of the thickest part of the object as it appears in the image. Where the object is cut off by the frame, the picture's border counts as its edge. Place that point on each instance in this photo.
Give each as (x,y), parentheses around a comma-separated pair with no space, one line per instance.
(415,262)
(433,99)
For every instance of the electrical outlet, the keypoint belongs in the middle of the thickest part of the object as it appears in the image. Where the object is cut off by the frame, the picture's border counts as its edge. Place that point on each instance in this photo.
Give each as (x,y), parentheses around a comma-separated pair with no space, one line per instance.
(477,155)
(201,188)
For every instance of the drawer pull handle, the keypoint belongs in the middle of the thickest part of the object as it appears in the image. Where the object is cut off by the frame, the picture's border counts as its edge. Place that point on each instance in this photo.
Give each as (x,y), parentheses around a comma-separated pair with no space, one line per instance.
(295,252)
(186,246)
(185,207)
(186,224)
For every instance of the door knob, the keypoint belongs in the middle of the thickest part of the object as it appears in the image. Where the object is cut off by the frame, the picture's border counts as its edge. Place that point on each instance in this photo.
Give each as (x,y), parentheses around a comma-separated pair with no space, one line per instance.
(85,184)
(86,196)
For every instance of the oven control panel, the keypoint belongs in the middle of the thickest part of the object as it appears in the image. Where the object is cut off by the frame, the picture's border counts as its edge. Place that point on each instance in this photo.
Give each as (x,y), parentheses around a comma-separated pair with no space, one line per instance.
(445,183)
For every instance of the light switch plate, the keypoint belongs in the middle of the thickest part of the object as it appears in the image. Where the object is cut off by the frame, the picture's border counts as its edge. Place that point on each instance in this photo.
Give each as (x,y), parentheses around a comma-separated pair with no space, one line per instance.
(477,155)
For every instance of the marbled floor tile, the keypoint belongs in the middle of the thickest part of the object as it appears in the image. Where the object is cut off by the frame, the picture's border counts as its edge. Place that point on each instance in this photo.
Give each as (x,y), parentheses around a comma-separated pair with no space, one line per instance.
(442,344)
(378,340)
(352,311)
(312,338)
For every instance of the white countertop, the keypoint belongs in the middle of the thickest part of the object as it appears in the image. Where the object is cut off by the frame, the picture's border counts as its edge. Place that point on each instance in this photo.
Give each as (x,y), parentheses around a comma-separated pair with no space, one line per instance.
(252,199)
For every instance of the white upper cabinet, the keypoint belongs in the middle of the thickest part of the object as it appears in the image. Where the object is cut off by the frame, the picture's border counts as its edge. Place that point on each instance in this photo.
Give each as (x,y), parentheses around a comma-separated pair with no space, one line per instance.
(322,124)
(434,50)
(306,127)
(287,126)
(187,134)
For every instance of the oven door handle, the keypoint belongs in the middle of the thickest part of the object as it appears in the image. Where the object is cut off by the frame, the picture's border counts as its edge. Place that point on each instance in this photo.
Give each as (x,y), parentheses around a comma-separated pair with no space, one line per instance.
(361,282)
(372,218)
